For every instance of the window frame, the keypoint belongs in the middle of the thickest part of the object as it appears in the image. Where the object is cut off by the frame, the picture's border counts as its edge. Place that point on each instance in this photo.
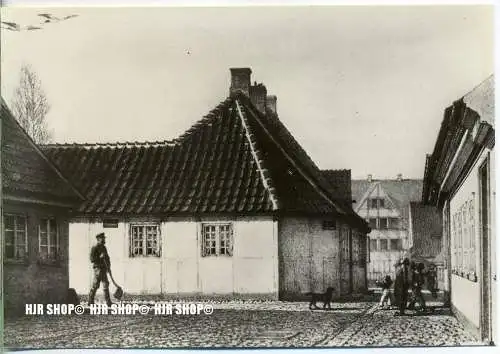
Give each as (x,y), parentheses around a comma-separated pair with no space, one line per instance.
(229,249)
(15,244)
(144,240)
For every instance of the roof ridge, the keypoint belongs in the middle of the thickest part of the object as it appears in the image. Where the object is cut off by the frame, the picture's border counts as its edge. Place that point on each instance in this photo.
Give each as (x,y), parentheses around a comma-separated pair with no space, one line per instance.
(117,144)
(300,169)
(266,180)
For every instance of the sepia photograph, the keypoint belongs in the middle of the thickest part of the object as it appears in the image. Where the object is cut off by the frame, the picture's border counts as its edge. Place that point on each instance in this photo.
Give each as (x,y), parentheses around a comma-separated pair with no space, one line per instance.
(233,177)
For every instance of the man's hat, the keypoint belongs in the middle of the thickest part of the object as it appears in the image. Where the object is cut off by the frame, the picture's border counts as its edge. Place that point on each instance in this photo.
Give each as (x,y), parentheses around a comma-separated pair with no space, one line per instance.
(101,235)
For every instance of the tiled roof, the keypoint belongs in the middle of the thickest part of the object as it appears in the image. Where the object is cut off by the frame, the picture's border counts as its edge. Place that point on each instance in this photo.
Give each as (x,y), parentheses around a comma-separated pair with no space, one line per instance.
(26,171)
(339,182)
(426,227)
(234,160)
(400,192)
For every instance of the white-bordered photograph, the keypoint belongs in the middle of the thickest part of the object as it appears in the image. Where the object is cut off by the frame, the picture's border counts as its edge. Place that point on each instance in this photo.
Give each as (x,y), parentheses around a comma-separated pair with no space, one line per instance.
(248,177)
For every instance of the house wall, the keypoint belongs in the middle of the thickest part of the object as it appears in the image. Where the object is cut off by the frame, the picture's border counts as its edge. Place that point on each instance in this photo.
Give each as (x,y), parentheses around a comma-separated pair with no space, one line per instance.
(312,259)
(251,271)
(466,288)
(30,281)
(309,257)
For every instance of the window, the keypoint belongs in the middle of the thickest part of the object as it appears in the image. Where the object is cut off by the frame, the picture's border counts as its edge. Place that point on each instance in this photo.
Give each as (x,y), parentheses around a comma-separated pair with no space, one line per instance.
(382,223)
(373,245)
(145,240)
(396,244)
(377,203)
(394,223)
(16,245)
(48,239)
(217,240)
(383,244)
(373,223)
(464,241)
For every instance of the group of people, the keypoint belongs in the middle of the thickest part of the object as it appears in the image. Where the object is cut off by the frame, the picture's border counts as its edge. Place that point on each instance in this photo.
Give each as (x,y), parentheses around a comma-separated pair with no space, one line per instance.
(408,285)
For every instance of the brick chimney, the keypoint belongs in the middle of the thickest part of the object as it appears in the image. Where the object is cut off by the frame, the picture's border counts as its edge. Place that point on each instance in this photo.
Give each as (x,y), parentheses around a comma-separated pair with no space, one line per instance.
(258,95)
(240,80)
(271,103)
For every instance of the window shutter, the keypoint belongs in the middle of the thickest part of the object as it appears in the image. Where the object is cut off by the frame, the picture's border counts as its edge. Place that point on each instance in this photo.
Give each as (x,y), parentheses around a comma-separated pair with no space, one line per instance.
(202,238)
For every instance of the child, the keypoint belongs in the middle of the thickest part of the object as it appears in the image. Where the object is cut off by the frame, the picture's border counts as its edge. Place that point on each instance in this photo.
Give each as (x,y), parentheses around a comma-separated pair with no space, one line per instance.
(386,291)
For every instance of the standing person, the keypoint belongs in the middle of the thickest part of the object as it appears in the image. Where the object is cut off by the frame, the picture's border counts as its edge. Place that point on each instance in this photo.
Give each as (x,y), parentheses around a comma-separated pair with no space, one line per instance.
(386,291)
(432,280)
(398,284)
(404,275)
(418,282)
(100,265)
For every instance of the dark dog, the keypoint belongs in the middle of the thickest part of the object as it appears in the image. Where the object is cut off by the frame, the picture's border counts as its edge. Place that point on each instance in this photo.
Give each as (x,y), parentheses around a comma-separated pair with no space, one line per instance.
(325,298)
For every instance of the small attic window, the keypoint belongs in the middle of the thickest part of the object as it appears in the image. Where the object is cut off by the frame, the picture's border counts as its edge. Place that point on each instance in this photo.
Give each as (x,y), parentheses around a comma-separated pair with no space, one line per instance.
(329,225)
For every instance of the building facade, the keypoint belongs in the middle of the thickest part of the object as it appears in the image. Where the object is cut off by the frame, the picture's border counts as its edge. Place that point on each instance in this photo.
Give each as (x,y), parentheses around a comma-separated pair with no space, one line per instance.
(233,208)
(384,204)
(460,181)
(36,203)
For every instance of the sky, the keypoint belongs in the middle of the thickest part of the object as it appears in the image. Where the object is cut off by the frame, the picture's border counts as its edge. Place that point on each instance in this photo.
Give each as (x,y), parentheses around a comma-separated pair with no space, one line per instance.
(360,87)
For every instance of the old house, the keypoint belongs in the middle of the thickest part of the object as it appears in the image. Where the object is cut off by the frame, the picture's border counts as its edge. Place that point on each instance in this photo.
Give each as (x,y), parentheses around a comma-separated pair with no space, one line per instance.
(233,207)
(385,204)
(459,181)
(36,202)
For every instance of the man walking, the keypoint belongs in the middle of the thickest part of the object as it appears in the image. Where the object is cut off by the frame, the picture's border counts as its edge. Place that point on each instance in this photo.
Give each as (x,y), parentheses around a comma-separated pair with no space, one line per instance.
(100,265)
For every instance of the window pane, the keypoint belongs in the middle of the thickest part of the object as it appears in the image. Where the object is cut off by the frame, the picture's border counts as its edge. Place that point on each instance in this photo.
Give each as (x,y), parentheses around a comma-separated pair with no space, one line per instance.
(20,223)
(53,225)
(43,225)
(383,244)
(383,223)
(381,203)
(9,251)
(9,222)
(43,239)
(373,203)
(373,245)
(394,223)
(373,223)
(394,244)
(43,251)
(9,237)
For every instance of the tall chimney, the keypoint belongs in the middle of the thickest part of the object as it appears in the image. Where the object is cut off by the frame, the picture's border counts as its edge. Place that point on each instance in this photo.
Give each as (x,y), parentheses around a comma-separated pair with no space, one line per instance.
(369,178)
(240,80)
(258,94)
(271,103)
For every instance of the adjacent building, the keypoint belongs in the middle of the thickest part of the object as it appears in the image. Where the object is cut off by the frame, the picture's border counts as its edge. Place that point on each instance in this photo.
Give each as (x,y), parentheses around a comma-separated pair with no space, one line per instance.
(459,181)
(233,207)
(36,202)
(385,205)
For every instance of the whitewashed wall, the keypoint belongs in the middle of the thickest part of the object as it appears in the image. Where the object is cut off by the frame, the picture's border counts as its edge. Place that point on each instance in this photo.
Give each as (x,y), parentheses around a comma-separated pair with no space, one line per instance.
(466,294)
(253,268)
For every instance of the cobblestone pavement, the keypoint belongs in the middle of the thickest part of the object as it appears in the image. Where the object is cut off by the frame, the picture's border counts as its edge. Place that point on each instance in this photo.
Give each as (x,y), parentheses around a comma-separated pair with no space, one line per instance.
(243,324)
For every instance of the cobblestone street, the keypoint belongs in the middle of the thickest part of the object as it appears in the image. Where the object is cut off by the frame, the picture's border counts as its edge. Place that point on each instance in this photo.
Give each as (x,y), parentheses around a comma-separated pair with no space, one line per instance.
(271,324)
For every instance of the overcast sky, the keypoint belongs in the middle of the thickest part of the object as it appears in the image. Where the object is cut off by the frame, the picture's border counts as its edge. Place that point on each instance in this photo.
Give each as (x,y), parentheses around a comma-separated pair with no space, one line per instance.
(362,88)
